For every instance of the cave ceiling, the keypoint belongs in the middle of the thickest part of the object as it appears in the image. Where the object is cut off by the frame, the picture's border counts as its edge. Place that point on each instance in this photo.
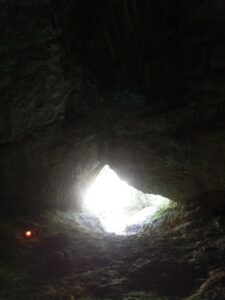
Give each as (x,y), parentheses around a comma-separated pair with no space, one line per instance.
(135,84)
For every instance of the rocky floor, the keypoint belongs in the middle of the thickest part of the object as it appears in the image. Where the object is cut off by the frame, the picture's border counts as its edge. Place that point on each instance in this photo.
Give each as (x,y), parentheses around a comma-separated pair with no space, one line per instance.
(180,256)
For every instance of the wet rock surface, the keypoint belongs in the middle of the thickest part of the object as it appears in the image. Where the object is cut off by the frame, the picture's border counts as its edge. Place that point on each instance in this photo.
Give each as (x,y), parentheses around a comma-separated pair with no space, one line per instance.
(177,259)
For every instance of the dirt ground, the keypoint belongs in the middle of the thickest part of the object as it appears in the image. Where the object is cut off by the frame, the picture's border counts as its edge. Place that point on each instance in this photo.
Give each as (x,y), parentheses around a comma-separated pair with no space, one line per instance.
(179,256)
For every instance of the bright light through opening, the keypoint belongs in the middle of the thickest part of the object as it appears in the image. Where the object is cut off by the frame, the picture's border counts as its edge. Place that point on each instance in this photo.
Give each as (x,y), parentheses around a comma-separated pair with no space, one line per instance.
(119,206)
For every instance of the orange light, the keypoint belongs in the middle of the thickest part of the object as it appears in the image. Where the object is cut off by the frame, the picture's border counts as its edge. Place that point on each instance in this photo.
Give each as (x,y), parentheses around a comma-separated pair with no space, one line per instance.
(28,234)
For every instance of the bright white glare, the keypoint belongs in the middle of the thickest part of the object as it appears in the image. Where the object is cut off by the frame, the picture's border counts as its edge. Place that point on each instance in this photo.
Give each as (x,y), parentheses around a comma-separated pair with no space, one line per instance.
(117,205)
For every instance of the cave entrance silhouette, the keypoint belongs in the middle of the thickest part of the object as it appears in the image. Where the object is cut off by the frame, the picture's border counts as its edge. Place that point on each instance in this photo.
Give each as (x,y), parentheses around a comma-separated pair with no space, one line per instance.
(120,208)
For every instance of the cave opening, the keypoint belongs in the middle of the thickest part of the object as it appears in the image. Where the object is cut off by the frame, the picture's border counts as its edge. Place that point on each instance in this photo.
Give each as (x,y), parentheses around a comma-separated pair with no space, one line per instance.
(139,85)
(120,208)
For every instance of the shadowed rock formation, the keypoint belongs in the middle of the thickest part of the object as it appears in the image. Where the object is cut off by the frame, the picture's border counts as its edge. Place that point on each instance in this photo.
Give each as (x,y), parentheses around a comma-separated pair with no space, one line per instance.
(137,85)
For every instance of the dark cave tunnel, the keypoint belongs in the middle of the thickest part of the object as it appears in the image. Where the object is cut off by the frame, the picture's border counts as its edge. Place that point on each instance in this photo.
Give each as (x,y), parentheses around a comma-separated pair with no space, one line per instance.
(92,87)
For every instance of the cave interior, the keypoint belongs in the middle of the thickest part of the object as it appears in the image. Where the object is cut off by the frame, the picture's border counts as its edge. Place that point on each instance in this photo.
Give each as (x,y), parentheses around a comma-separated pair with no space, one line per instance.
(133,90)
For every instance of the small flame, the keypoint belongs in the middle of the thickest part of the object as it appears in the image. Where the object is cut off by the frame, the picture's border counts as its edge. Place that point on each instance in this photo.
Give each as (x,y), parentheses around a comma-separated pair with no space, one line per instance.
(28,234)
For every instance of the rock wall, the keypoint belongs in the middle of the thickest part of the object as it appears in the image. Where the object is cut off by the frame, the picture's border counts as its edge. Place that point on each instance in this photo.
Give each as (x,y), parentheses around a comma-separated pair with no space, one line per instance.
(169,53)
(49,169)
(33,88)
(178,154)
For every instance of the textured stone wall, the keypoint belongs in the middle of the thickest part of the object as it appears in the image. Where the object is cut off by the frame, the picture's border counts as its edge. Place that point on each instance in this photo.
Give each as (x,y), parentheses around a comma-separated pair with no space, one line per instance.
(202,44)
(178,154)
(172,144)
(49,169)
(170,51)
(33,89)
